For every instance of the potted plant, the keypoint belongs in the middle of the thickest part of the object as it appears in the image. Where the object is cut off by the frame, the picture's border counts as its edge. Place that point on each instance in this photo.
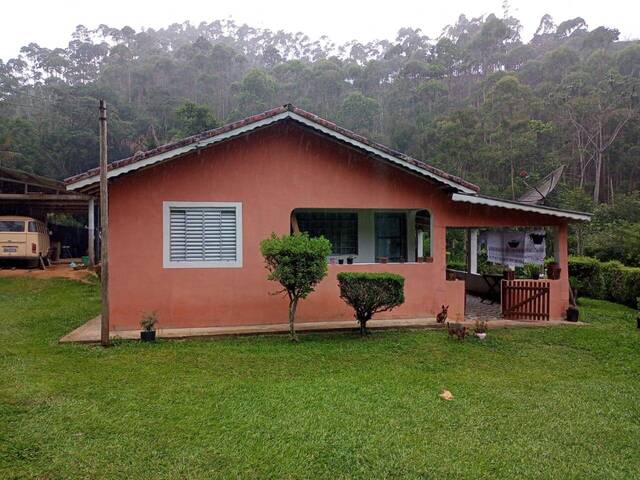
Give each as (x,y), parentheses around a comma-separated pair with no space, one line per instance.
(148,324)
(349,260)
(481,328)
(573,313)
(553,271)
(532,271)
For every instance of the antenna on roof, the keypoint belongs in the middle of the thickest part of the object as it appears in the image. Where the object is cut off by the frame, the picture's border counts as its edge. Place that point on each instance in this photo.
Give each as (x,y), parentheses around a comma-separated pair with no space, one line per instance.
(539,192)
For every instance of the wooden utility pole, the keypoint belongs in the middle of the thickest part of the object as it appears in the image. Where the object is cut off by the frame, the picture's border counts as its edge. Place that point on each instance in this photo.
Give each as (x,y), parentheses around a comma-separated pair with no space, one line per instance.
(104,226)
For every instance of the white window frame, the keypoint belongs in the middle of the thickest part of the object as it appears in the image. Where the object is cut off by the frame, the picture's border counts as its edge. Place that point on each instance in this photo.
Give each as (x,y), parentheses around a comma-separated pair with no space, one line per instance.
(166,240)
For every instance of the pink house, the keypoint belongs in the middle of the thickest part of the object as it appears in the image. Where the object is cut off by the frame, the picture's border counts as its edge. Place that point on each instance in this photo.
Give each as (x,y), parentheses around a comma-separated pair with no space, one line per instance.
(186,220)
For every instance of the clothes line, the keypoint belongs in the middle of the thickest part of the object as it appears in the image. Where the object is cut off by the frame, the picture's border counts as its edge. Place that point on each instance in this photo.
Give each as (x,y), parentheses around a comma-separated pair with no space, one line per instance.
(515,248)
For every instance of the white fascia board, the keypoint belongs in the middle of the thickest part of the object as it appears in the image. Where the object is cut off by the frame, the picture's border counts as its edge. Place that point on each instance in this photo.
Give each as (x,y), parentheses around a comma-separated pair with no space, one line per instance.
(178,151)
(491,202)
(380,153)
(267,121)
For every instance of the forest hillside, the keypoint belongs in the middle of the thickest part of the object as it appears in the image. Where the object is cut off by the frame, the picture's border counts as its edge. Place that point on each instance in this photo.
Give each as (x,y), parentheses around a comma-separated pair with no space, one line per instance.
(478,101)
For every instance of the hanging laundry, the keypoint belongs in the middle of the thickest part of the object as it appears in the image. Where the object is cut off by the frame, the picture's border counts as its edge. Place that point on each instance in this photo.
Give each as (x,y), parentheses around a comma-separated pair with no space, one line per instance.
(495,251)
(515,248)
(535,248)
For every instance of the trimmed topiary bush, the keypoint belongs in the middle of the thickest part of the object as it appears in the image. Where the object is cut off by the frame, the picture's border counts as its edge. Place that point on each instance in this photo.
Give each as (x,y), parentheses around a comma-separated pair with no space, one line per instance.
(298,262)
(370,293)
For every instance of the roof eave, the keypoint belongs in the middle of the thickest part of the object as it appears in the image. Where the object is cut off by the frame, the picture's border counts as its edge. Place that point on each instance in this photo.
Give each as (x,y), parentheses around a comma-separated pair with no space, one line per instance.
(523,207)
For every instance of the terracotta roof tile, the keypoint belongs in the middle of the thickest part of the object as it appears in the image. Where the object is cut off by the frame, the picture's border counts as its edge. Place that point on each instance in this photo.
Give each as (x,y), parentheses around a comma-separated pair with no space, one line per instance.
(262,116)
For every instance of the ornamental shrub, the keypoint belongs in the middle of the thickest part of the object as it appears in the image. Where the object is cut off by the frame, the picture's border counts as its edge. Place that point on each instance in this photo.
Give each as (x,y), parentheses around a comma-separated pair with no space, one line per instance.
(612,280)
(298,262)
(607,281)
(630,285)
(586,276)
(370,293)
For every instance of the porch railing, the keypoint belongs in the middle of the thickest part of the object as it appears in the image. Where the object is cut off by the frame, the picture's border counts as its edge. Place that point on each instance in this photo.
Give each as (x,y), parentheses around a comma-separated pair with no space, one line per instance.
(525,299)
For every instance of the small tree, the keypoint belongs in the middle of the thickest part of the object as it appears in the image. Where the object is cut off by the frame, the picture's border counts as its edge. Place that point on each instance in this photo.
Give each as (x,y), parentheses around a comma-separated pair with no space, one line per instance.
(370,293)
(298,262)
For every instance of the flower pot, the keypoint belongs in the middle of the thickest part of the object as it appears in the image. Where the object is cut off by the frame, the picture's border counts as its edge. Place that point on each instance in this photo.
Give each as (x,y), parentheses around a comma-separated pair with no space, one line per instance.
(341,261)
(481,335)
(553,271)
(148,335)
(537,238)
(509,274)
(350,261)
(573,314)
(428,259)
(420,260)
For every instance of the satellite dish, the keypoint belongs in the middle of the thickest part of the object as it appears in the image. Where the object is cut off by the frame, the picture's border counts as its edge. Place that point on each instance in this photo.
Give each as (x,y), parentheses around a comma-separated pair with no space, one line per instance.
(538,193)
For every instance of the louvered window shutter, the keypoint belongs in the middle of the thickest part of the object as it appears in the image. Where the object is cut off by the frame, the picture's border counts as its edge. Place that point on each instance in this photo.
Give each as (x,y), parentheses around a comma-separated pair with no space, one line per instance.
(203,234)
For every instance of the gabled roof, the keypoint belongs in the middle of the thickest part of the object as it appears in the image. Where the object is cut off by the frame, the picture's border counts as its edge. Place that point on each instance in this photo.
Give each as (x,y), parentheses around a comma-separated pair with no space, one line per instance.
(173,150)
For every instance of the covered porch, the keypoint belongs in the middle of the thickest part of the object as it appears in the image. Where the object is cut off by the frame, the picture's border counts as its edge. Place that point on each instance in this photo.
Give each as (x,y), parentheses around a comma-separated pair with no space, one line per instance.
(515,263)
(414,243)
(511,273)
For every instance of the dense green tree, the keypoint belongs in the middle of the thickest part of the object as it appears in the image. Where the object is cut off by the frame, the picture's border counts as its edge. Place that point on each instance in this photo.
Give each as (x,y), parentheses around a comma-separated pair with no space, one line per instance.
(192,118)
(360,113)
(256,93)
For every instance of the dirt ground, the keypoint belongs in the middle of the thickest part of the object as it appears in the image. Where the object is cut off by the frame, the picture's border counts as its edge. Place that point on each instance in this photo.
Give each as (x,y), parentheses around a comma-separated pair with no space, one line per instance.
(54,271)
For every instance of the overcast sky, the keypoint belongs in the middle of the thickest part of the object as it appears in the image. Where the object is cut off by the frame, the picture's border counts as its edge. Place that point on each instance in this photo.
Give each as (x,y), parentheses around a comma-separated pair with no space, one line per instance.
(50,22)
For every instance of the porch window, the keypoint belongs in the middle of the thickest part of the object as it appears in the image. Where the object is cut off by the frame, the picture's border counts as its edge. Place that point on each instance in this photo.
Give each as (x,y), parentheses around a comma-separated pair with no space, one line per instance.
(391,236)
(340,228)
(202,235)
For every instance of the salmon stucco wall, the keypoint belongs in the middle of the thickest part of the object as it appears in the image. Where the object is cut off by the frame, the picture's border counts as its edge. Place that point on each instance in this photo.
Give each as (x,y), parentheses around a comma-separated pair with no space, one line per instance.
(271,172)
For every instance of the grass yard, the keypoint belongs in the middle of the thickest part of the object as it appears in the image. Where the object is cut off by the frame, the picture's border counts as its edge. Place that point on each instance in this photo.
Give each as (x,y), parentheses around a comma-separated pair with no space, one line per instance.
(530,403)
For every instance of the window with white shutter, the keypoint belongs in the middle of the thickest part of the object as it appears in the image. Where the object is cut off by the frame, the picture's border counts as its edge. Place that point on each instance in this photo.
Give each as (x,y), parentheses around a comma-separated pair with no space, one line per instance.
(202,234)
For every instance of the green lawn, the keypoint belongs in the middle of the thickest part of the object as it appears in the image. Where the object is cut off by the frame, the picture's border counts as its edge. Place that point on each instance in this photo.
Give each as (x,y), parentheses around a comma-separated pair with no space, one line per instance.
(560,402)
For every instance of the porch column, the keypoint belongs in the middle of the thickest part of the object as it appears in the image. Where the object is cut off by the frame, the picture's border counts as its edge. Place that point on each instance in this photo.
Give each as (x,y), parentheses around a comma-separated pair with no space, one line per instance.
(561,255)
(411,236)
(561,250)
(439,247)
(473,250)
(92,231)
(420,245)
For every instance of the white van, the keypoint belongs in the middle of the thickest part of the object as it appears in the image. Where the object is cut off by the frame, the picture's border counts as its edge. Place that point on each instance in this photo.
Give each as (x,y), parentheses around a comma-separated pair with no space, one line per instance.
(23,238)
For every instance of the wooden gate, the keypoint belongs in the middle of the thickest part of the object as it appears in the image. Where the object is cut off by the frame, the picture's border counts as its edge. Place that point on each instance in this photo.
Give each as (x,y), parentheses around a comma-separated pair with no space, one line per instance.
(525,299)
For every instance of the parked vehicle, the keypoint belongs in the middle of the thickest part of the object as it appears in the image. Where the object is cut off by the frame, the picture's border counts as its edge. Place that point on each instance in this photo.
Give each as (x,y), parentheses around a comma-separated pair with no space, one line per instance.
(23,238)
